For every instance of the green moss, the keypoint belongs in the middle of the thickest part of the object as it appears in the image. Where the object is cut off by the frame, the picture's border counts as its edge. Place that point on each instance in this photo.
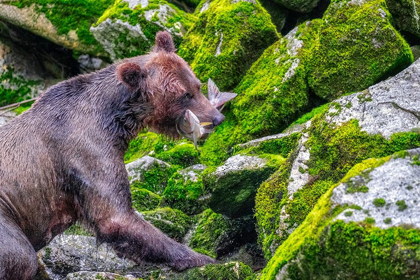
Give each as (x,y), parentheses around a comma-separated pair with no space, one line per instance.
(214,47)
(379,202)
(369,220)
(316,111)
(401,205)
(352,251)
(269,200)
(227,271)
(356,47)
(357,188)
(218,146)
(144,200)
(321,248)
(184,192)
(78,229)
(18,88)
(67,15)
(183,154)
(348,213)
(172,222)
(154,179)
(282,146)
(210,228)
(333,151)
(387,221)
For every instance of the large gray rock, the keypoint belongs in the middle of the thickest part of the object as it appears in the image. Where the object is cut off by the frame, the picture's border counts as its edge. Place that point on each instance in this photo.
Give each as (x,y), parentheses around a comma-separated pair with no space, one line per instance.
(379,121)
(73,253)
(364,227)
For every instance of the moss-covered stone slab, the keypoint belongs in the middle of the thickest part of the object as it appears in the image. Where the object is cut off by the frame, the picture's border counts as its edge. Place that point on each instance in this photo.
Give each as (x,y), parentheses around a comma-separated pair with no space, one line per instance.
(226,271)
(405,15)
(149,173)
(378,122)
(233,185)
(226,39)
(365,227)
(185,190)
(356,47)
(63,22)
(72,253)
(172,222)
(128,28)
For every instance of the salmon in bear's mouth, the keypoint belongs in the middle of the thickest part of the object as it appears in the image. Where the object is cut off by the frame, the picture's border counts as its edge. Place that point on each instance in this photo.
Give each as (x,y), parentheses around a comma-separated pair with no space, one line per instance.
(189,126)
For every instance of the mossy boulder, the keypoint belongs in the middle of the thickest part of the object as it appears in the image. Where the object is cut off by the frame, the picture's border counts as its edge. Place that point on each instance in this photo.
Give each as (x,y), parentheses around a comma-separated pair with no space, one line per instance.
(274,91)
(405,15)
(144,200)
(375,123)
(347,235)
(172,222)
(226,271)
(185,190)
(356,47)
(128,28)
(226,39)
(233,185)
(63,22)
(216,235)
(21,76)
(149,173)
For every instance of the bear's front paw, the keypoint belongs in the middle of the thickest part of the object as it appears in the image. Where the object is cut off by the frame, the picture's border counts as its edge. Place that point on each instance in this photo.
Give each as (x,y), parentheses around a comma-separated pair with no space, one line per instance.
(192,260)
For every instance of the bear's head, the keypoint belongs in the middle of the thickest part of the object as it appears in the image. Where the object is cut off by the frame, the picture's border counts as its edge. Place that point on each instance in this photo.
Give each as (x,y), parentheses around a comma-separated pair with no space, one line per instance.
(173,88)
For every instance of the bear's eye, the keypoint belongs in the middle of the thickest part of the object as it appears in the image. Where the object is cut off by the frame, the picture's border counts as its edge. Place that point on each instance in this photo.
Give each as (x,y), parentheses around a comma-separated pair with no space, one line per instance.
(188,95)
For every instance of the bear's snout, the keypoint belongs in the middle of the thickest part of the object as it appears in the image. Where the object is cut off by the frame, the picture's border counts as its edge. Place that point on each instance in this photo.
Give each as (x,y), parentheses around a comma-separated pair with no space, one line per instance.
(218,119)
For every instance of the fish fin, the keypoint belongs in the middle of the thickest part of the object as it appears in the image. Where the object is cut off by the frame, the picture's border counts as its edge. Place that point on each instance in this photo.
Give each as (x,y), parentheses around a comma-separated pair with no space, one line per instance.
(205,123)
(223,98)
(213,91)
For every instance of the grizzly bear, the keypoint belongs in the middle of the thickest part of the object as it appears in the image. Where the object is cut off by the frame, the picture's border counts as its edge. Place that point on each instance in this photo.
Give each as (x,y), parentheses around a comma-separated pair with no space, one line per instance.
(62,160)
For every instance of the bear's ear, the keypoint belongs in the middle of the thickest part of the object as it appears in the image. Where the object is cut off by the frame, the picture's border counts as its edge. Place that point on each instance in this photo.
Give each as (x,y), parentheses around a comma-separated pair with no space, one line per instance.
(131,75)
(164,42)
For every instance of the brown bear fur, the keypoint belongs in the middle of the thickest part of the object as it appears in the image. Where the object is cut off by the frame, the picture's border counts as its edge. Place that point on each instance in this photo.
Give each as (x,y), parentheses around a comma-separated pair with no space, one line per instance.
(62,160)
